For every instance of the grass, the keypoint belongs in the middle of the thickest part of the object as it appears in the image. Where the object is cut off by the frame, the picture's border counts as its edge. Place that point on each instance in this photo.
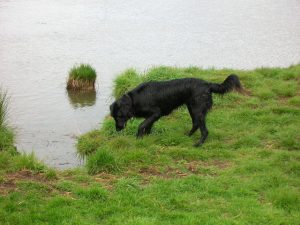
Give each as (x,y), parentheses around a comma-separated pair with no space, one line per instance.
(101,161)
(82,77)
(6,133)
(10,159)
(248,171)
(3,107)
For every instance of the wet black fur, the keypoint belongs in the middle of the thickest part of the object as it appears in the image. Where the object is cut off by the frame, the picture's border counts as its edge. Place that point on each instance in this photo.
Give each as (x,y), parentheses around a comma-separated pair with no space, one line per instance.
(152,100)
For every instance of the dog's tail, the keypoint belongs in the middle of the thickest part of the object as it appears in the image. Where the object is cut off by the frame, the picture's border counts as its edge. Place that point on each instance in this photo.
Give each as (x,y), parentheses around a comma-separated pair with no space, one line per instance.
(232,82)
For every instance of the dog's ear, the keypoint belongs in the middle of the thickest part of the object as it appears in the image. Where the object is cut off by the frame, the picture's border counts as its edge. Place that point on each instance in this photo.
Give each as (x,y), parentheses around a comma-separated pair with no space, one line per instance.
(111,107)
(130,113)
(126,100)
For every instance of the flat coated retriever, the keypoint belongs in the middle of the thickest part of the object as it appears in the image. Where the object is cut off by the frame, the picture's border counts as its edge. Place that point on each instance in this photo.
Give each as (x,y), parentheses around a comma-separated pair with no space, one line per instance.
(152,100)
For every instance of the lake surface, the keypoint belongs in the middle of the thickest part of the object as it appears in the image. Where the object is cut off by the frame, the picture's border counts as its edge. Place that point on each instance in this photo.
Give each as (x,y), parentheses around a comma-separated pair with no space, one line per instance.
(41,40)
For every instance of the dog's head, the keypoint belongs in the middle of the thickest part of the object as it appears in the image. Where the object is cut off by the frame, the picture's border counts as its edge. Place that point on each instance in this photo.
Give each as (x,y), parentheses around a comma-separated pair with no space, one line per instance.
(121,110)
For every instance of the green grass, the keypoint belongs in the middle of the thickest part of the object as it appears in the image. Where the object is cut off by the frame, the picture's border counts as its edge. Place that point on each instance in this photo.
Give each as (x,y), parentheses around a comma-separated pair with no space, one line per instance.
(11,160)
(6,133)
(83,72)
(81,78)
(3,107)
(101,161)
(247,172)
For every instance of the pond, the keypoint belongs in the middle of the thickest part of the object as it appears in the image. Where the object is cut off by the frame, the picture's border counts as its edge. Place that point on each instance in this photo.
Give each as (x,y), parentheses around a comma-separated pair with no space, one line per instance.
(40,40)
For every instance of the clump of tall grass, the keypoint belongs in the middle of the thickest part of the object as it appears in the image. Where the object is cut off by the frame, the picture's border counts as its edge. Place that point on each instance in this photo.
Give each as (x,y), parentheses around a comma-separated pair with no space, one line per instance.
(126,81)
(3,107)
(102,161)
(82,77)
(6,135)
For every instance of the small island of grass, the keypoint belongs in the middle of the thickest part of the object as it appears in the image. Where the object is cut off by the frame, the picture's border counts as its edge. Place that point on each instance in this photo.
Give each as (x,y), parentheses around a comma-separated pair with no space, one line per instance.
(82,77)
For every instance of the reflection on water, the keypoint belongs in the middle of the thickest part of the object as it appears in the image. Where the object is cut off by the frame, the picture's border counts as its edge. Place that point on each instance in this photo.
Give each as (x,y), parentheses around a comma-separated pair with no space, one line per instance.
(79,99)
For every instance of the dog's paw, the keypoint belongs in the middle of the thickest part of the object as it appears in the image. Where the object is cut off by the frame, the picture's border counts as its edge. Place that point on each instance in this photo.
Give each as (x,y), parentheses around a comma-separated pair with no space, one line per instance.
(198,144)
(140,135)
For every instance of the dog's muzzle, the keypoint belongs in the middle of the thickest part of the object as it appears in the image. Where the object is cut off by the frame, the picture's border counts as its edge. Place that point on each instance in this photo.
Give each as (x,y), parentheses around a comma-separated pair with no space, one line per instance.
(119,128)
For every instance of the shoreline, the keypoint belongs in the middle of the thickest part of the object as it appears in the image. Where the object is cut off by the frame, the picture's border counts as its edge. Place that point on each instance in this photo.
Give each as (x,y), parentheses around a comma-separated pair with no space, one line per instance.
(246,172)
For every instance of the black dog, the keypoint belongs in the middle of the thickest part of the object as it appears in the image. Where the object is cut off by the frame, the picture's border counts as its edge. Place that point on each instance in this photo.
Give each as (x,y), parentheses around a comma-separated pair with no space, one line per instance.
(152,100)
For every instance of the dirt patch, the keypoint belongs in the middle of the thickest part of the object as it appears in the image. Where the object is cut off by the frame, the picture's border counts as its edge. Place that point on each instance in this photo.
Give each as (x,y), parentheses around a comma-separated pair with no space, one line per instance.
(269,145)
(194,166)
(221,164)
(10,181)
(150,171)
(106,179)
(167,173)
(190,168)
(7,186)
(283,99)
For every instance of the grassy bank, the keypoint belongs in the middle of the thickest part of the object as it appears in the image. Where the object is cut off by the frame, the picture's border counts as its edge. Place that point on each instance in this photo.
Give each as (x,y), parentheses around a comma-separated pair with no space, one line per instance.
(11,160)
(247,172)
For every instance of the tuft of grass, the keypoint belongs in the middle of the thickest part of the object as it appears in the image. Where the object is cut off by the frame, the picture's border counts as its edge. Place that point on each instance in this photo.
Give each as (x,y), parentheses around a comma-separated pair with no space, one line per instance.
(50,174)
(88,144)
(285,89)
(295,101)
(127,80)
(286,198)
(83,72)
(6,140)
(6,134)
(3,107)
(93,193)
(27,161)
(102,161)
(82,77)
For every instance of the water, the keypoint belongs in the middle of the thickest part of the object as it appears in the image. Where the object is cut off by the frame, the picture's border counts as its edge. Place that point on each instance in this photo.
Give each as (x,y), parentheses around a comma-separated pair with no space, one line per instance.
(41,40)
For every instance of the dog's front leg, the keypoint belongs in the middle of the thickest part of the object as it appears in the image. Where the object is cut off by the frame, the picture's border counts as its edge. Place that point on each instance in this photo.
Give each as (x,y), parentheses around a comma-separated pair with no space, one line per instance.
(146,125)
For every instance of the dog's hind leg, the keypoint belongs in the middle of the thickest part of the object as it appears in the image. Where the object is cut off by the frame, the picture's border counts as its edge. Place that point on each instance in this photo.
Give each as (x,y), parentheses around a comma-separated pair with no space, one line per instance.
(196,122)
(198,114)
(203,129)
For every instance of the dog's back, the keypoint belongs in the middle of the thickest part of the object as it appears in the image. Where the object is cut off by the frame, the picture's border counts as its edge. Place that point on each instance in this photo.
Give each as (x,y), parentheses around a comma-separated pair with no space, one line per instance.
(168,95)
